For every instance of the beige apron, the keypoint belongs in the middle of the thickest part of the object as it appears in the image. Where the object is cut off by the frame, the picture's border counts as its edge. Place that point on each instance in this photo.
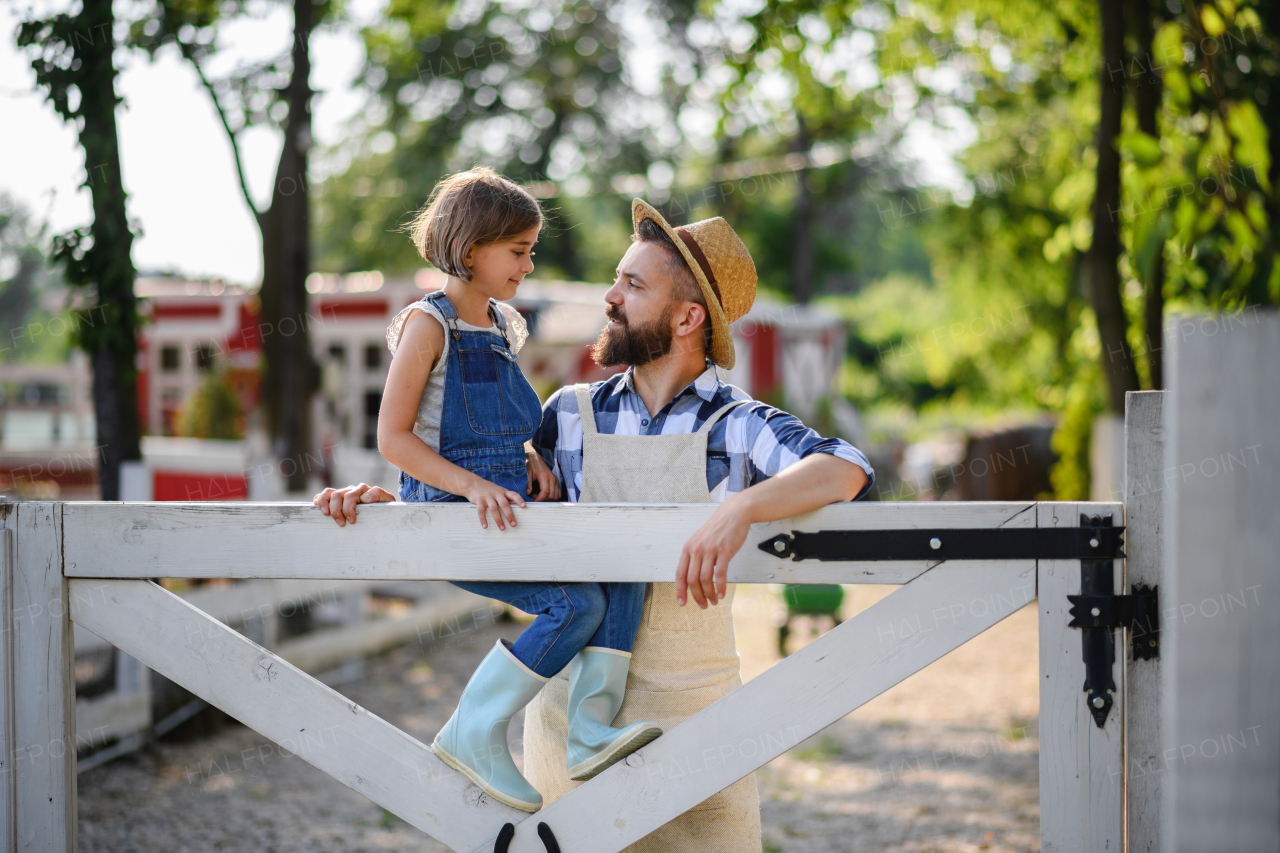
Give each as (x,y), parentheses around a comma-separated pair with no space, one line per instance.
(684,658)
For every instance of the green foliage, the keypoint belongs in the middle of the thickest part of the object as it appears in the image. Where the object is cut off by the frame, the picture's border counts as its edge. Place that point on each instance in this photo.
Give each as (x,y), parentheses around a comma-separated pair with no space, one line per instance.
(535,91)
(1204,194)
(71,55)
(212,410)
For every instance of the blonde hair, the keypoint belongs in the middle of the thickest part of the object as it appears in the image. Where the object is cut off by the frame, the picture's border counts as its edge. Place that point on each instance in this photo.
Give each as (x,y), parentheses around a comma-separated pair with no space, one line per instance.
(471,208)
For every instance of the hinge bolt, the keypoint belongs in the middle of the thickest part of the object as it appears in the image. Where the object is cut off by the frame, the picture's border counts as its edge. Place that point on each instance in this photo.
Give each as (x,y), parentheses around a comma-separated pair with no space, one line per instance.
(1098,701)
(935,543)
(1096,612)
(779,546)
(1093,543)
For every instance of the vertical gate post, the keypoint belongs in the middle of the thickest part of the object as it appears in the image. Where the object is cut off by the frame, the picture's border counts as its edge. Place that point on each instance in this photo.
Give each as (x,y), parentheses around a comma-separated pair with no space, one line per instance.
(1144,514)
(1081,765)
(43,749)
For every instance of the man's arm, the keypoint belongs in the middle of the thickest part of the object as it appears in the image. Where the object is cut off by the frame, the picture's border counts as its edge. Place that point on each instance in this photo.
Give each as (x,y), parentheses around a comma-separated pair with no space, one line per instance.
(813,482)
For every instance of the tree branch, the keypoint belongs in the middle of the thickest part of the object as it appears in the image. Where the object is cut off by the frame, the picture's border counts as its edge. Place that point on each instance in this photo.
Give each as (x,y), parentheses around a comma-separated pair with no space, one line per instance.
(232,136)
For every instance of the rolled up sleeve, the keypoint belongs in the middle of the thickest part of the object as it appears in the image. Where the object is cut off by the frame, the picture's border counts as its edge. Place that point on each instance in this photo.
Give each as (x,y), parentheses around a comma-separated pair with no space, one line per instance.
(778,440)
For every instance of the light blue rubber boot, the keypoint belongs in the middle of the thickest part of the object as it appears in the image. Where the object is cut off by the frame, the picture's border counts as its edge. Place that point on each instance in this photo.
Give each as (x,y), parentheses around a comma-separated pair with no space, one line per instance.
(474,741)
(597,683)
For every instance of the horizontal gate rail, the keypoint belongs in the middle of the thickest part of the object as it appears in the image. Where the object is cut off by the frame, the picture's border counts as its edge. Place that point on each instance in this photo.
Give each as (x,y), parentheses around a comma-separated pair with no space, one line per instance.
(565,542)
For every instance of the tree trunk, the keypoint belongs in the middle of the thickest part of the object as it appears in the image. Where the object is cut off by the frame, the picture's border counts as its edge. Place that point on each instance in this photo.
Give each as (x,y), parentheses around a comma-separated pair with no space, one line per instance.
(1102,271)
(802,242)
(1147,98)
(1271,115)
(291,375)
(108,327)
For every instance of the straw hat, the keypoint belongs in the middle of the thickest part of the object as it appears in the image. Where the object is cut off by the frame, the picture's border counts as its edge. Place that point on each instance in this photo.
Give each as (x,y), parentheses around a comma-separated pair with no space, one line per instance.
(722,266)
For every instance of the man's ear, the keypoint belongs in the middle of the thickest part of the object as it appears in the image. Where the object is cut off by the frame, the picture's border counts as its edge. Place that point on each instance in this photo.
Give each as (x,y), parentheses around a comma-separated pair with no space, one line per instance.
(690,320)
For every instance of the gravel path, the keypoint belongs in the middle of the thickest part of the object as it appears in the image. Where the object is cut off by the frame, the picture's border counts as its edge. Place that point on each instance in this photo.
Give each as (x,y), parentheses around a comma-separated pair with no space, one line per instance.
(945,761)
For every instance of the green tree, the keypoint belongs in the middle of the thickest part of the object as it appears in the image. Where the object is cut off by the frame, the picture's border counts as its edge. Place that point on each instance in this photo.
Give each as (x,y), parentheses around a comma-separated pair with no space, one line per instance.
(276,93)
(72,55)
(536,91)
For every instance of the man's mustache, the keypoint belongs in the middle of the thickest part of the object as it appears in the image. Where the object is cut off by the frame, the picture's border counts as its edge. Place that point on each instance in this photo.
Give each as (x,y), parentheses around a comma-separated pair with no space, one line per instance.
(615,314)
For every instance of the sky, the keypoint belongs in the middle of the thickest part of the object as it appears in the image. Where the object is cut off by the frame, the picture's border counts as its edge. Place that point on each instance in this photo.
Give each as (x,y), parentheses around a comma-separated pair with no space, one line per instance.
(175,157)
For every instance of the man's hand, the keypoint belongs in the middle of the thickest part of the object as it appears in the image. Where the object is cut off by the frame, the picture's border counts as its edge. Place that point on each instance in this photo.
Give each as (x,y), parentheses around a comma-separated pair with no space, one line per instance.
(542,481)
(704,560)
(340,504)
(492,498)
(812,482)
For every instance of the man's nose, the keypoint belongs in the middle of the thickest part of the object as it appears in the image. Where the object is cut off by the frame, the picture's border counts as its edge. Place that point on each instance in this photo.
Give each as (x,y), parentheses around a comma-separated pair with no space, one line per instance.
(613,295)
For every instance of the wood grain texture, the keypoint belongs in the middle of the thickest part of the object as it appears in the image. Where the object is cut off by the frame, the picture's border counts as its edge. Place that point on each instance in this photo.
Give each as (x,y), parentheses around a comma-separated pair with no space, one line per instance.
(567,542)
(44,698)
(1144,531)
(1081,766)
(1221,639)
(824,681)
(291,708)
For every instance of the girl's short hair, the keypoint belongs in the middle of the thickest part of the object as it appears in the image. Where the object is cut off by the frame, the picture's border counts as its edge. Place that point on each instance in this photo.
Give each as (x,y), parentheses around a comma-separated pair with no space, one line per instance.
(468,209)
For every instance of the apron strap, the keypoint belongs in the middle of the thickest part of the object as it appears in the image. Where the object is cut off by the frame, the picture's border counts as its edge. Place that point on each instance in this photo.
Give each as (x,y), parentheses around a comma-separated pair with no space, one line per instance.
(718,414)
(585,411)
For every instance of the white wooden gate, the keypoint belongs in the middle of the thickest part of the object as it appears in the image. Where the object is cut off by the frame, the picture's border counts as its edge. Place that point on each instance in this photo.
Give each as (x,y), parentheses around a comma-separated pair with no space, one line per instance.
(87,562)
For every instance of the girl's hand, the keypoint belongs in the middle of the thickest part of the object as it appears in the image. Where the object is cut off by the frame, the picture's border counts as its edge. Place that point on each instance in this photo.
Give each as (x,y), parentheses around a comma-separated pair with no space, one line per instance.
(340,504)
(490,497)
(542,482)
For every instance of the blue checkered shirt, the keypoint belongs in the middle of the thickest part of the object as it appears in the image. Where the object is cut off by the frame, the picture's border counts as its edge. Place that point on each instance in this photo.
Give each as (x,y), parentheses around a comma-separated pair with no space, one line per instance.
(750,444)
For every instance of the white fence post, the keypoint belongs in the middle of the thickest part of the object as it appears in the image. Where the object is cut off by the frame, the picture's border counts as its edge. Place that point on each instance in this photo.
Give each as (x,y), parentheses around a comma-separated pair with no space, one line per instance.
(8,682)
(1081,765)
(1221,637)
(1144,543)
(44,752)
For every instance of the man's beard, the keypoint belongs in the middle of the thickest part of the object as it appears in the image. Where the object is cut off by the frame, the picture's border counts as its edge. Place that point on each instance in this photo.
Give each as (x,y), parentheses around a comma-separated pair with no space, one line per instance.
(633,345)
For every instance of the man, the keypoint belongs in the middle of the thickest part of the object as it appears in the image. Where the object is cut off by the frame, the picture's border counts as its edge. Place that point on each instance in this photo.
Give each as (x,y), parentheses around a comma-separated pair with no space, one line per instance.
(670,430)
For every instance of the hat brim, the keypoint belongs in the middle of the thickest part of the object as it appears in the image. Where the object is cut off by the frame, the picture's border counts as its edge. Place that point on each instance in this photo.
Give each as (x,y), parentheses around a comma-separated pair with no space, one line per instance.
(722,352)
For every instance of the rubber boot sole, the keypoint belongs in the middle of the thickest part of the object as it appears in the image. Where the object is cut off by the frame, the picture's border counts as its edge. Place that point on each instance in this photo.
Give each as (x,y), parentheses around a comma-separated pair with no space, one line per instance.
(613,753)
(505,799)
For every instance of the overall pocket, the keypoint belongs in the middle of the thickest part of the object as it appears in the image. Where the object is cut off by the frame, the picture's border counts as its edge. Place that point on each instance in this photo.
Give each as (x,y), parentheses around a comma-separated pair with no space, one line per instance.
(499,400)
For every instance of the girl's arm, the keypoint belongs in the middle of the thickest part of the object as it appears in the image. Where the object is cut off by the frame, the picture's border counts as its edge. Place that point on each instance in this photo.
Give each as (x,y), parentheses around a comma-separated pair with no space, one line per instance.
(417,353)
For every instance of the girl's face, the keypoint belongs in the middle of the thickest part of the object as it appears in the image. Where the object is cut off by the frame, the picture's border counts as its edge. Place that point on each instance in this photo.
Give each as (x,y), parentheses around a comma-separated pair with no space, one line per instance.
(497,268)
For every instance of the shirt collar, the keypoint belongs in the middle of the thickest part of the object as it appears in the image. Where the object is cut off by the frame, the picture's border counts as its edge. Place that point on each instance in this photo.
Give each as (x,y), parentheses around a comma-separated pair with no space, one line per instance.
(706,385)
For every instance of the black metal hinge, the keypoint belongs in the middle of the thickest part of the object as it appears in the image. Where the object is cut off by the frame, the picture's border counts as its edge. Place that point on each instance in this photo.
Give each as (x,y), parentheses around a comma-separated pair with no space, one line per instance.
(1000,543)
(1138,612)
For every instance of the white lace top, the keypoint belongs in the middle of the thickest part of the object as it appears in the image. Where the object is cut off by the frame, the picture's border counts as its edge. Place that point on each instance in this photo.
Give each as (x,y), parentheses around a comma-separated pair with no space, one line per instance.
(427,424)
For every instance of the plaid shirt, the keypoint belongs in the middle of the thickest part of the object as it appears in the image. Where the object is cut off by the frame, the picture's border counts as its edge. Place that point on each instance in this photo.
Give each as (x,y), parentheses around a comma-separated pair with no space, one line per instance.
(750,444)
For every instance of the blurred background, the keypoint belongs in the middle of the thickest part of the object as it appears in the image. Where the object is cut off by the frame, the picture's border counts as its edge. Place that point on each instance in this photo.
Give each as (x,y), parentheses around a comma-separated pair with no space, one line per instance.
(971,221)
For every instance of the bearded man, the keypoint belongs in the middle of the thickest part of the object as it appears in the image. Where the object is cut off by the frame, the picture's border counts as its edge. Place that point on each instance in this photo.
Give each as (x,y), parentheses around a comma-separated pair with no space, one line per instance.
(670,430)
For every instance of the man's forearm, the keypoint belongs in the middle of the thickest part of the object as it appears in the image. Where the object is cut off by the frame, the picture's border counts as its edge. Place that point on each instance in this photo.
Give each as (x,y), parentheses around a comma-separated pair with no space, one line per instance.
(811,483)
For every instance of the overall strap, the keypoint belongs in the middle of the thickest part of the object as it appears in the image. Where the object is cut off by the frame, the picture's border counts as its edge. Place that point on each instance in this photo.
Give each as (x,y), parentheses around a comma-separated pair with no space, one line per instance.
(585,411)
(718,414)
(442,304)
(499,321)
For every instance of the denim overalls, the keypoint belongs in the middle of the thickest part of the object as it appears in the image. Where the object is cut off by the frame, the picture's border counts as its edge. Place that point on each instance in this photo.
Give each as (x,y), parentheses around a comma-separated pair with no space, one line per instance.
(489,412)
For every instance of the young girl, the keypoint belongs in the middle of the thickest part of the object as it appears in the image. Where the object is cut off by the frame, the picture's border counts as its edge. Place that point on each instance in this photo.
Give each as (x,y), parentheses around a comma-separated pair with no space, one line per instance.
(457,418)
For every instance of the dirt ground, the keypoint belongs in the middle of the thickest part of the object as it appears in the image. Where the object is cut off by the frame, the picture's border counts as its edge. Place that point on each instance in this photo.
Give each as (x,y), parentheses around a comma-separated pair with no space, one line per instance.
(945,761)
